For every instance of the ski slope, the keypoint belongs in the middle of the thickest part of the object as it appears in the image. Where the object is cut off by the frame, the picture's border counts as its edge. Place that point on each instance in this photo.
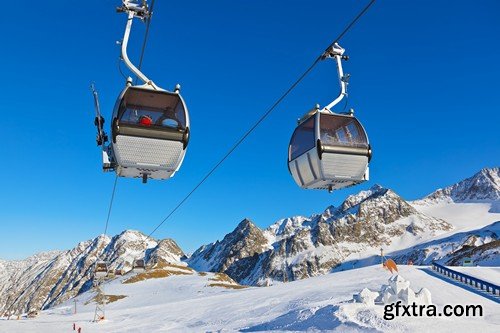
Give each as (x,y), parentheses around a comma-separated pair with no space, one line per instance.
(185,303)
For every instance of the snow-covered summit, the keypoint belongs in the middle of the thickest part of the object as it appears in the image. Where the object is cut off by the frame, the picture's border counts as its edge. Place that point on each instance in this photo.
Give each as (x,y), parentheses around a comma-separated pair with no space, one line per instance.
(355,207)
(292,248)
(483,186)
(299,247)
(356,199)
(49,278)
(244,241)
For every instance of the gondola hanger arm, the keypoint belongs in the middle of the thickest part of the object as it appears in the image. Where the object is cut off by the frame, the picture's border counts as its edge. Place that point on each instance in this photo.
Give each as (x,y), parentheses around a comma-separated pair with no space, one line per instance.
(133,10)
(336,52)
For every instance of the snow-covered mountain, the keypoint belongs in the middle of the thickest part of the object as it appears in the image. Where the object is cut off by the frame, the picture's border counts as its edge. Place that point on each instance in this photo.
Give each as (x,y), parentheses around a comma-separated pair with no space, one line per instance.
(481,245)
(245,241)
(300,247)
(193,303)
(46,279)
(483,186)
(448,225)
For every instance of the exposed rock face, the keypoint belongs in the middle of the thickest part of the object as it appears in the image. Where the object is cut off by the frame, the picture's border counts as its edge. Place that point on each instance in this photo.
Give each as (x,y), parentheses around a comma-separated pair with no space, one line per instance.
(290,249)
(483,186)
(300,247)
(47,279)
(245,241)
(167,251)
(486,254)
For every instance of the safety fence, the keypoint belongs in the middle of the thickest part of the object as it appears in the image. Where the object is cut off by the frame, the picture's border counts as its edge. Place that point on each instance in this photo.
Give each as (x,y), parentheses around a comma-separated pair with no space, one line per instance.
(467,279)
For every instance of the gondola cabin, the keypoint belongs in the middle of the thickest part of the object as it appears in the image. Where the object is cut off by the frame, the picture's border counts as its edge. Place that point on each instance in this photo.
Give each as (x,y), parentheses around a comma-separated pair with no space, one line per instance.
(329,151)
(139,265)
(150,132)
(101,269)
(150,125)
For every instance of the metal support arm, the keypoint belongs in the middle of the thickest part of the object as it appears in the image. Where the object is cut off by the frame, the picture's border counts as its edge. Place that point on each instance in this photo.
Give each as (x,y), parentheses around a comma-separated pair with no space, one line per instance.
(133,10)
(337,52)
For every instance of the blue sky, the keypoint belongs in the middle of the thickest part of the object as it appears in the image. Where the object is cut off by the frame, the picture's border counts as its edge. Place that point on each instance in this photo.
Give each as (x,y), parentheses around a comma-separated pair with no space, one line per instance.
(424,83)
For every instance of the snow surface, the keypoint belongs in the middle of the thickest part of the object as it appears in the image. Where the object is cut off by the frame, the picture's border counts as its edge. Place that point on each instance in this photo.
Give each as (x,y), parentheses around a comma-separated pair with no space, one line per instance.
(488,274)
(483,186)
(463,216)
(187,304)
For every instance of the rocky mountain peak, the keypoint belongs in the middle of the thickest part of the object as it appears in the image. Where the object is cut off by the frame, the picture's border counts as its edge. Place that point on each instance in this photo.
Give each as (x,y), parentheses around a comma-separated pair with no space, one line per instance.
(298,247)
(167,251)
(377,204)
(46,279)
(245,227)
(130,235)
(128,240)
(245,240)
(356,199)
(483,186)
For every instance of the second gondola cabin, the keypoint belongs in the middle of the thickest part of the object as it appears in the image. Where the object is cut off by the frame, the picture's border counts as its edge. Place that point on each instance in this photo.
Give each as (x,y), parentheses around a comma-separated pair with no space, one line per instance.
(101,269)
(150,132)
(138,265)
(329,151)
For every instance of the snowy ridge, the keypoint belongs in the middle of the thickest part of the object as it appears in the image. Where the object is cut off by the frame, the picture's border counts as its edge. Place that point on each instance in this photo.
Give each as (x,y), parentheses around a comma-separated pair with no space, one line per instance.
(46,279)
(299,247)
(483,186)
(294,248)
(481,245)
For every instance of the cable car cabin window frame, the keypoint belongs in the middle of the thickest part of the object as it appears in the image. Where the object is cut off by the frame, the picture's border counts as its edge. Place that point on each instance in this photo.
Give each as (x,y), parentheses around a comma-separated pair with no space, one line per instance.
(336,130)
(306,143)
(135,112)
(155,130)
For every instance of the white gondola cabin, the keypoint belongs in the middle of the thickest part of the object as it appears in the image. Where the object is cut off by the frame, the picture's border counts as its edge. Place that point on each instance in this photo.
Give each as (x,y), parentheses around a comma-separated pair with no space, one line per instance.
(150,125)
(330,150)
(150,132)
(101,269)
(139,265)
